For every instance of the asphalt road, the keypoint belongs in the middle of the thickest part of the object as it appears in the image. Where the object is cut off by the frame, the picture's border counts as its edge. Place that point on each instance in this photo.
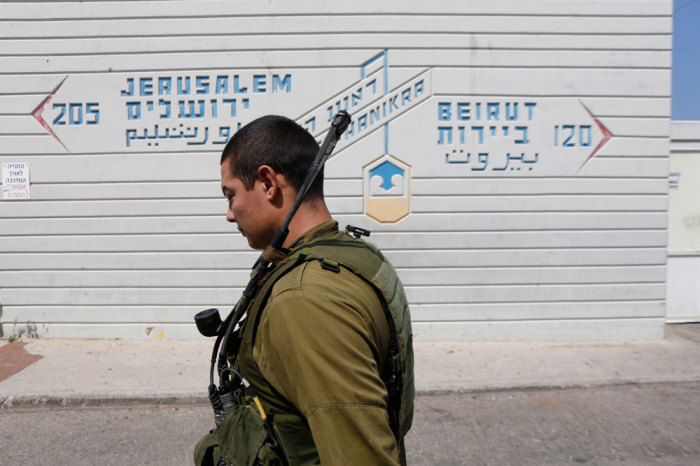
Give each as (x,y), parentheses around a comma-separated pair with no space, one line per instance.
(634,425)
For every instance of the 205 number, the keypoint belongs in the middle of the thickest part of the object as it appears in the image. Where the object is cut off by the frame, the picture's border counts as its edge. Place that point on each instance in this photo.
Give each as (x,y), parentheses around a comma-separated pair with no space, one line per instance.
(76,114)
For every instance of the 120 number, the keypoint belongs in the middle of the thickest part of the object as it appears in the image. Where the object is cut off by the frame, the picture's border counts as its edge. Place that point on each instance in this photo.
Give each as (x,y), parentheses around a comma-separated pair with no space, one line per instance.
(572,135)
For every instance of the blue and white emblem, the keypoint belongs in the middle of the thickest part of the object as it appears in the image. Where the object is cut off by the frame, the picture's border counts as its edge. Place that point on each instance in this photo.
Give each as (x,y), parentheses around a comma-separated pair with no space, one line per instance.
(387,189)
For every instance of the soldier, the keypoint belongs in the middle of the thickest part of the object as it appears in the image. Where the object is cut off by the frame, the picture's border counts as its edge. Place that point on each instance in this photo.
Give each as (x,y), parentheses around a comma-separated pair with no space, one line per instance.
(326,345)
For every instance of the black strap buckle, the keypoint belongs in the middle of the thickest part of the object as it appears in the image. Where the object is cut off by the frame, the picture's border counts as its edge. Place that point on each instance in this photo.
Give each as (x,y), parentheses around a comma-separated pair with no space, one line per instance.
(356,231)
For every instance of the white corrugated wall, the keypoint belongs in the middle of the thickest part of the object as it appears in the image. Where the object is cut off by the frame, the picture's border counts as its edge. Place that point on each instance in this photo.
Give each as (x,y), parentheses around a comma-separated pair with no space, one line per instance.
(127,238)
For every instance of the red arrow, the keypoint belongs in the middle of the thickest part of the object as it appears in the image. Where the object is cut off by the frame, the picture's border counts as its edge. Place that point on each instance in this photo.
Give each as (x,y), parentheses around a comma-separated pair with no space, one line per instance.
(38,113)
(607,135)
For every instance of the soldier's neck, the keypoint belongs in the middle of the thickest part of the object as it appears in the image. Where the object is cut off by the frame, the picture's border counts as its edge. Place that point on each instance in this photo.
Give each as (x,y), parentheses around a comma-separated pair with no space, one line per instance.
(310,214)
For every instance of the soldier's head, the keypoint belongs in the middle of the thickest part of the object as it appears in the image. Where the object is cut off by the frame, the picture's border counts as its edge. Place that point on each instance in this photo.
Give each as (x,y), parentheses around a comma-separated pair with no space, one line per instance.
(278,142)
(266,158)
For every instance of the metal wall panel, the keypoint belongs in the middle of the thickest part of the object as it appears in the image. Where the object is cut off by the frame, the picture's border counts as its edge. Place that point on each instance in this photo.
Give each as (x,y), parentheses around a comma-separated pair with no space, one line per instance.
(124,234)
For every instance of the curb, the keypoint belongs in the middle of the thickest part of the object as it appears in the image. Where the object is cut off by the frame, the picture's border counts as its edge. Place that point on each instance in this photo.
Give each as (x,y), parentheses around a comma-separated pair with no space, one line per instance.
(96,401)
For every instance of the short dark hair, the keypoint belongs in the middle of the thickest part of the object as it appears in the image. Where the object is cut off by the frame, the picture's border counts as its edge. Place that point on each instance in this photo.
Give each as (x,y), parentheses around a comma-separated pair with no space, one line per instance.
(278,142)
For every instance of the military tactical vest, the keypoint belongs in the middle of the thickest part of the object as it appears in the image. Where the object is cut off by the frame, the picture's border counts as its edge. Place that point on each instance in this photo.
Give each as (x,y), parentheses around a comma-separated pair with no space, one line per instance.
(334,250)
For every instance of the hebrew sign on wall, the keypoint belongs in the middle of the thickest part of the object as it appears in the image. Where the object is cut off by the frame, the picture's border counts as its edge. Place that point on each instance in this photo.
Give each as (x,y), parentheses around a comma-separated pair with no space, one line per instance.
(463,134)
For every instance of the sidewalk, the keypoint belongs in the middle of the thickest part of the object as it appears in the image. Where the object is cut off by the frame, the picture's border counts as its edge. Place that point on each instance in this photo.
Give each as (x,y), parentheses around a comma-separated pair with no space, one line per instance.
(117,372)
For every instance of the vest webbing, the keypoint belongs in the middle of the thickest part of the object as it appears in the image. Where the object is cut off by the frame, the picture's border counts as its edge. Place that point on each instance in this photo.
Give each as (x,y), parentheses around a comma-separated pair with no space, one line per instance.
(337,249)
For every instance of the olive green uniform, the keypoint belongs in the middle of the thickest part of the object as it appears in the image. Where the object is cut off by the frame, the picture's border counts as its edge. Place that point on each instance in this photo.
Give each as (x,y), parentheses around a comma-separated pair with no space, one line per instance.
(322,342)
(320,347)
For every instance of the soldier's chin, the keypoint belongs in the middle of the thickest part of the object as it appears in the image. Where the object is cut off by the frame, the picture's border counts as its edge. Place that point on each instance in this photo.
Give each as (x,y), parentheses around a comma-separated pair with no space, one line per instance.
(254,245)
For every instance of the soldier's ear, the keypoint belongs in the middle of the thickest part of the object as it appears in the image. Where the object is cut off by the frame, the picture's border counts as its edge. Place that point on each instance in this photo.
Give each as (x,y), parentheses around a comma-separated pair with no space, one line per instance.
(269,180)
